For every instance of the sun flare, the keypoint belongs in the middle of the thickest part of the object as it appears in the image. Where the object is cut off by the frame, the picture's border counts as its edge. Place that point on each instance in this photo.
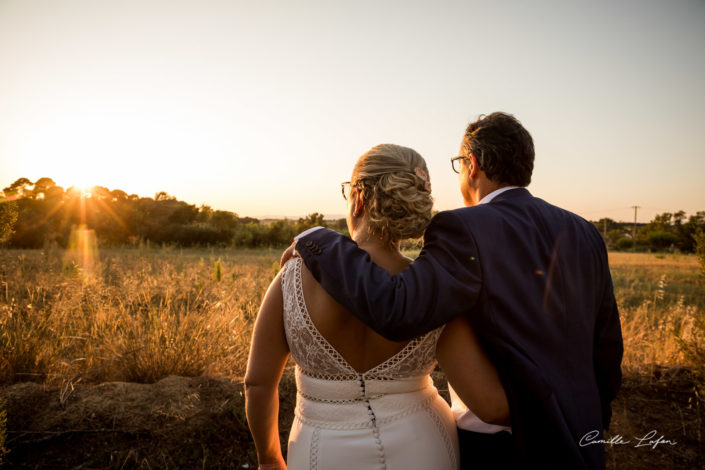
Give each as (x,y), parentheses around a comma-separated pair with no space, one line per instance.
(85,191)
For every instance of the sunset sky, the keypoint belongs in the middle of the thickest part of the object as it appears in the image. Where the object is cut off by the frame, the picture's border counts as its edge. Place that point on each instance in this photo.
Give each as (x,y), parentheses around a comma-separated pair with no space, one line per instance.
(262,108)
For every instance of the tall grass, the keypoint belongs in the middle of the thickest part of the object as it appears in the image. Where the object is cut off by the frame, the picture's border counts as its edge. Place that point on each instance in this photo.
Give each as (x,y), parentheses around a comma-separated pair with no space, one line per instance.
(693,345)
(132,315)
(142,314)
(662,301)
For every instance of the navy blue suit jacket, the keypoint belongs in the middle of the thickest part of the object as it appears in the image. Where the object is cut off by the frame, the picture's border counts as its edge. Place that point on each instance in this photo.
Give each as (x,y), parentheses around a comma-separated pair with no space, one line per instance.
(535,282)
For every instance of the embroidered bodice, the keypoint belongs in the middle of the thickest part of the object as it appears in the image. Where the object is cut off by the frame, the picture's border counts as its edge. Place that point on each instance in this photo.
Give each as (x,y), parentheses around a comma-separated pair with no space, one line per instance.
(317,358)
(392,402)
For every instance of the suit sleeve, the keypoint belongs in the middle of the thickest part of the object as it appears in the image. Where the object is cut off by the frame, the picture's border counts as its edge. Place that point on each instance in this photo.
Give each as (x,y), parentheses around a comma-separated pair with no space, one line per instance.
(608,348)
(443,282)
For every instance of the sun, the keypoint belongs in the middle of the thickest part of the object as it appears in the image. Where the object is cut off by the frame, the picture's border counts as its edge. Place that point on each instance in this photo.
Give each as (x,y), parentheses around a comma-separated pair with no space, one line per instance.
(81,177)
(82,186)
(85,192)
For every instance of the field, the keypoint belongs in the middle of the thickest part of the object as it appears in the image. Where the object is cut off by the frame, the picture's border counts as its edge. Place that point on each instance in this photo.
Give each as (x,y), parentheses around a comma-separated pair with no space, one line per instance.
(133,358)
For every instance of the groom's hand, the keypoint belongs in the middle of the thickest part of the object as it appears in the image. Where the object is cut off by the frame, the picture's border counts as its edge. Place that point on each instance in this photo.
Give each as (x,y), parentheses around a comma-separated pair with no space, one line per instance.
(288,254)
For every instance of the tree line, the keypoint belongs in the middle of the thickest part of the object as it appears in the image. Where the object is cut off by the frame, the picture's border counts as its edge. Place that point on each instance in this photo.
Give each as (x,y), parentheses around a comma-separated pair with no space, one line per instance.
(670,231)
(38,214)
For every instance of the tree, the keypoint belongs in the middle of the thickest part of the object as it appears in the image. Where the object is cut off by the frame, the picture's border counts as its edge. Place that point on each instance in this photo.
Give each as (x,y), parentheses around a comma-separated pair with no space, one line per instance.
(42,187)
(661,240)
(686,232)
(18,189)
(614,235)
(100,192)
(204,213)
(8,217)
(55,192)
(224,221)
(118,195)
(184,214)
(163,196)
(312,220)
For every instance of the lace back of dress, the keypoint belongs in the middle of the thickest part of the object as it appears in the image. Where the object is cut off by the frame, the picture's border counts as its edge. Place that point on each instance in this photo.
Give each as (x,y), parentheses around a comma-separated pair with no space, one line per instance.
(318,358)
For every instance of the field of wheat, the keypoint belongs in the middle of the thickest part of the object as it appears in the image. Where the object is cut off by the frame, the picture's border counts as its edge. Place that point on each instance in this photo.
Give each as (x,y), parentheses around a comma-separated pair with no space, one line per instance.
(128,315)
(142,315)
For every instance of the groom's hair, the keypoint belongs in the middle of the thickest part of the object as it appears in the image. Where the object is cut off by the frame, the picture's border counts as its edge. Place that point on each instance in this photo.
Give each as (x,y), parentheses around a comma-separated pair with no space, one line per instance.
(503,148)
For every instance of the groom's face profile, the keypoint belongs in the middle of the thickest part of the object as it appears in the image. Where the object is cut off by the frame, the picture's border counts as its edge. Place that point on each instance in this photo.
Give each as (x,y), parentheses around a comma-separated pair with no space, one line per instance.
(468,172)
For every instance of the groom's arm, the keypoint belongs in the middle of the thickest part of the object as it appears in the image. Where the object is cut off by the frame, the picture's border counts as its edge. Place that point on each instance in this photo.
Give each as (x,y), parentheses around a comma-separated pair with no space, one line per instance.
(443,282)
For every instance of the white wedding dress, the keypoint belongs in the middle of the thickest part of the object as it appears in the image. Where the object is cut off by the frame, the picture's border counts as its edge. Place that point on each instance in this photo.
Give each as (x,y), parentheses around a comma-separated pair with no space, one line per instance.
(390,417)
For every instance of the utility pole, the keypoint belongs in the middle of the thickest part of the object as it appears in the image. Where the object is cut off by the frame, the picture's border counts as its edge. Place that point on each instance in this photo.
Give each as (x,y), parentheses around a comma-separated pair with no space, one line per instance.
(634,227)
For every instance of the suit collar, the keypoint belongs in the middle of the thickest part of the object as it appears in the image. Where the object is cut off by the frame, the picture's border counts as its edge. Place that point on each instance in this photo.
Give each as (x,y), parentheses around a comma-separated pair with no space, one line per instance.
(511,194)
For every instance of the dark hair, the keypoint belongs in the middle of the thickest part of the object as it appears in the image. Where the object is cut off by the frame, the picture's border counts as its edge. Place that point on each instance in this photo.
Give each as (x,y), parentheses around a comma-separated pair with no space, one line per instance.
(503,148)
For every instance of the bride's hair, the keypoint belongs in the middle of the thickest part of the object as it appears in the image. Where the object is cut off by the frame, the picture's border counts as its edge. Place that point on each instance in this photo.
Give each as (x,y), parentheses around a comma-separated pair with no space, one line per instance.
(396,191)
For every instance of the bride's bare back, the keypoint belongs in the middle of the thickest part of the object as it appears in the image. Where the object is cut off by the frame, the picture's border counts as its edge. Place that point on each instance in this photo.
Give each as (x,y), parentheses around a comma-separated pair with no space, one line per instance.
(360,346)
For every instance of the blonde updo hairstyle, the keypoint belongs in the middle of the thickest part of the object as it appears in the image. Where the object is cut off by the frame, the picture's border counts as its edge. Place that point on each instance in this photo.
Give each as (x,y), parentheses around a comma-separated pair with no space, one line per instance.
(396,191)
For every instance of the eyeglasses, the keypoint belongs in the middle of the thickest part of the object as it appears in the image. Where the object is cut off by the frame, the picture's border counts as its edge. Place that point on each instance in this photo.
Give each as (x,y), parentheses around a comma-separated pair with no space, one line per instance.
(345,189)
(455,163)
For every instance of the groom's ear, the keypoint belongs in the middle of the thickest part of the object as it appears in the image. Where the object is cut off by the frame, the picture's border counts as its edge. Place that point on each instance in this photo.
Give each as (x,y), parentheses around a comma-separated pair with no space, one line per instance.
(474,166)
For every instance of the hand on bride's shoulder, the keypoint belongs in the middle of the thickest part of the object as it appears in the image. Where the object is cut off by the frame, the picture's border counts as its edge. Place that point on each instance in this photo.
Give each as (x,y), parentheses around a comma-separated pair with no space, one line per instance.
(288,254)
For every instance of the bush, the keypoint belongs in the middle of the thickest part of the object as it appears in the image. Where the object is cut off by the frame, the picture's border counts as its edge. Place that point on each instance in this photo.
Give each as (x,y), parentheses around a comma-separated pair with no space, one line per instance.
(8,217)
(661,240)
(625,244)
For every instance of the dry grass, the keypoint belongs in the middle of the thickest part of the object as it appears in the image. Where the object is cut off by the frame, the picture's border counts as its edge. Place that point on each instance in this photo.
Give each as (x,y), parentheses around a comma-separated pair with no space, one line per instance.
(70,319)
(144,314)
(672,260)
(662,299)
(132,315)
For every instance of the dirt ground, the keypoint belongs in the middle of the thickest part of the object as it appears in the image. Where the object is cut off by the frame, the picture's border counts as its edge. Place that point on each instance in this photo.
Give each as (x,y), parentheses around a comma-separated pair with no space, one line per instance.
(197,423)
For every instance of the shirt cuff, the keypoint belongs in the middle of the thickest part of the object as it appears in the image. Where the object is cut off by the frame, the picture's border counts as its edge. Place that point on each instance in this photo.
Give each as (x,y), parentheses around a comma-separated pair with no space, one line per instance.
(306,232)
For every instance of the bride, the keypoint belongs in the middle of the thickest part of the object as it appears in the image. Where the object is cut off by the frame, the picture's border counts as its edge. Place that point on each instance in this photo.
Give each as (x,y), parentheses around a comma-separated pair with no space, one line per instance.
(364,401)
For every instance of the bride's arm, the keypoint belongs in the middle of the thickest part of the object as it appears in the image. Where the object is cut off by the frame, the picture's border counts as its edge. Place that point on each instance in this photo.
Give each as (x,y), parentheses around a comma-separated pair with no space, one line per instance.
(471,373)
(268,354)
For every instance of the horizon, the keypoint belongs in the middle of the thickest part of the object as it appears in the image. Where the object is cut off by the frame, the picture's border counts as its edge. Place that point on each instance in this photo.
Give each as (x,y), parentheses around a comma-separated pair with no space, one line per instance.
(264,108)
(329,216)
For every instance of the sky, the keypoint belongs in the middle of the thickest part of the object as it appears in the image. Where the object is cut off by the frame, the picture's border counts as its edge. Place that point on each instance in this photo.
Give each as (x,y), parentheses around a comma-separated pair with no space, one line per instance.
(262,108)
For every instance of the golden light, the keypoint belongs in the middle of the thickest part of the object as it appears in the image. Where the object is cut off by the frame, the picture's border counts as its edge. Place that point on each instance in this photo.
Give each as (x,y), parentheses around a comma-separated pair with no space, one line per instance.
(82,251)
(85,191)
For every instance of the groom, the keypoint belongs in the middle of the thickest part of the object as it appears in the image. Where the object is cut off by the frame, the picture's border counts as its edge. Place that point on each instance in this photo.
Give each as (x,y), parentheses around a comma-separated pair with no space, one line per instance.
(535,283)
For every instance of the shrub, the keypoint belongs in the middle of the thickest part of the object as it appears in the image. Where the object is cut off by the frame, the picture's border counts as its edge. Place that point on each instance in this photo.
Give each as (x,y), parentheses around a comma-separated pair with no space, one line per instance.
(625,244)
(661,240)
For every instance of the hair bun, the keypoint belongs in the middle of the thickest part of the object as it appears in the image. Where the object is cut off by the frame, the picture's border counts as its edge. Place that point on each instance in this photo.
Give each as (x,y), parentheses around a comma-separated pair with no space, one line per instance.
(396,191)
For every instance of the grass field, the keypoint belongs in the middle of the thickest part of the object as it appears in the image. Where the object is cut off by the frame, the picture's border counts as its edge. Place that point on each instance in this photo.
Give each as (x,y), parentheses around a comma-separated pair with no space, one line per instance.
(660,298)
(143,314)
(129,315)
(68,319)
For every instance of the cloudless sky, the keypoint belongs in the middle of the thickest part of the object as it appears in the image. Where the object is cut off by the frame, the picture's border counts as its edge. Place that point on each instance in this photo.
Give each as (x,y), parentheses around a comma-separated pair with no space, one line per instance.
(262,108)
